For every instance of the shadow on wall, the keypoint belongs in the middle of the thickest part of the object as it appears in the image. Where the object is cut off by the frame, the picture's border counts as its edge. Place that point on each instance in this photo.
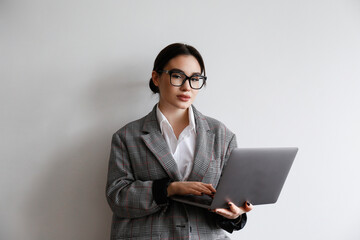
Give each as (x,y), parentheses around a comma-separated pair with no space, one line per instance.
(69,200)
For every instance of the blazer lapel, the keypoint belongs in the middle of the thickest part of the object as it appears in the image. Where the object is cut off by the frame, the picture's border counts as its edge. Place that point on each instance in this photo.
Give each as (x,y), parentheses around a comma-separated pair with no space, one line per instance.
(203,148)
(156,143)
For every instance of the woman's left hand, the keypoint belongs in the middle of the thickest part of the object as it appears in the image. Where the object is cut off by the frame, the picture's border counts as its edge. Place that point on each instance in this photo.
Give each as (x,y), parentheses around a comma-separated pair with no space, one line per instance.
(233,211)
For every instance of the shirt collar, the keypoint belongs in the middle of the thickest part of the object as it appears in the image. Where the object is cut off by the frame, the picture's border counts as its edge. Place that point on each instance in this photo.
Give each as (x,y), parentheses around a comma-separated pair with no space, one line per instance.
(163,120)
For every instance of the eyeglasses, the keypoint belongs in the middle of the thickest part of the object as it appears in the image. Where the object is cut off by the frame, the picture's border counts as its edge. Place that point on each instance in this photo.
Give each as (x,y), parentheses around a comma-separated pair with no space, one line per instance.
(178,78)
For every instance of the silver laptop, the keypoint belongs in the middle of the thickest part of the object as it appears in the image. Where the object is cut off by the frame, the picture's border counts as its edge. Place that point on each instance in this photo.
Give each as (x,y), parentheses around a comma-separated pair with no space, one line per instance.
(256,175)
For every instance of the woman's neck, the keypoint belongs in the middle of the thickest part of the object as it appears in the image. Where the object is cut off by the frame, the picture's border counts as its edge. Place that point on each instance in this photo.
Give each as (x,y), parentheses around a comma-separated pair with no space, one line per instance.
(178,118)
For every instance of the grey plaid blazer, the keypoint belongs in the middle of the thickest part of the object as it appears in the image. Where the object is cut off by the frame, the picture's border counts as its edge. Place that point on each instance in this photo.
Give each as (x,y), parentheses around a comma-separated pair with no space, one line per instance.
(139,155)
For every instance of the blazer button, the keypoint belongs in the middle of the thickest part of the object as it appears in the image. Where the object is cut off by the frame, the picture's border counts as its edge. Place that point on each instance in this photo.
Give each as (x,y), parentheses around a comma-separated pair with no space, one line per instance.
(180,226)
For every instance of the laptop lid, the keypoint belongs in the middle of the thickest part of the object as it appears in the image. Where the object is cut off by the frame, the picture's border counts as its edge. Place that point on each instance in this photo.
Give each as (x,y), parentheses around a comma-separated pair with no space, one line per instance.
(256,175)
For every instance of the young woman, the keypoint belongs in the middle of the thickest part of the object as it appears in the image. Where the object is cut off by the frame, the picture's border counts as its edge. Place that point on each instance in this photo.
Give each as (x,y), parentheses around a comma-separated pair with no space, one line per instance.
(174,150)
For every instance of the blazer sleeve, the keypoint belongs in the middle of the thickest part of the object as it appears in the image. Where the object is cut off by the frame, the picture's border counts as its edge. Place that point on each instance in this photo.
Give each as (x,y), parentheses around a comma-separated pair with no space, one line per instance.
(230,225)
(127,197)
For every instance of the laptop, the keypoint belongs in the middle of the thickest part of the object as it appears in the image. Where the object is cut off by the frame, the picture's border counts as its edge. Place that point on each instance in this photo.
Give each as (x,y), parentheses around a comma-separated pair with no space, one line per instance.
(256,175)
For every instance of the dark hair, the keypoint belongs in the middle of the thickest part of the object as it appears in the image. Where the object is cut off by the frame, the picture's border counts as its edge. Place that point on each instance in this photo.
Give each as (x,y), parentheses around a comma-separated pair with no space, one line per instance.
(170,52)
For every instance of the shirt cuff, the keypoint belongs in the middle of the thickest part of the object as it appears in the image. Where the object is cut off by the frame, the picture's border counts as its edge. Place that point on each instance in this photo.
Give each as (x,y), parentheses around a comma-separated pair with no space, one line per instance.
(230,225)
(159,191)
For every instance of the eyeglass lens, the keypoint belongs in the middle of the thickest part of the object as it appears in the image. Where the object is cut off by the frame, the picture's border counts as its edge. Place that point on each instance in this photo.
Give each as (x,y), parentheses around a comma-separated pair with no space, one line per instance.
(177,79)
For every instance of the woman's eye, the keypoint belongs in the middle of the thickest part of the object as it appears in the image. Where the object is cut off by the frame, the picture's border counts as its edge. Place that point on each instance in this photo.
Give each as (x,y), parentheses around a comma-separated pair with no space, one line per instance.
(175,75)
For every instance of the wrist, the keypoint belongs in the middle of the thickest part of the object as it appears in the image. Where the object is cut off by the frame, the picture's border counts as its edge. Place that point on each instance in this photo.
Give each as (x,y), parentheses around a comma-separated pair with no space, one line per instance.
(170,189)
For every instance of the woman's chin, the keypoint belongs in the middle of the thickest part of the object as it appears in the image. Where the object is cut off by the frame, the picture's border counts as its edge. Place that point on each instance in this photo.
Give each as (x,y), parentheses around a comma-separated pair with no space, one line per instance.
(184,105)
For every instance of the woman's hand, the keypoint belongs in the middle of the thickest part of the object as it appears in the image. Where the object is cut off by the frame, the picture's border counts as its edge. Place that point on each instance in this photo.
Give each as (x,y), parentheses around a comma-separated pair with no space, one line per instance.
(195,188)
(233,211)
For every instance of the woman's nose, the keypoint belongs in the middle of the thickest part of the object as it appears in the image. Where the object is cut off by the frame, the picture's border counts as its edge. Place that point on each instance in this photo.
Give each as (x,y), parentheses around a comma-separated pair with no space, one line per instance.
(186,86)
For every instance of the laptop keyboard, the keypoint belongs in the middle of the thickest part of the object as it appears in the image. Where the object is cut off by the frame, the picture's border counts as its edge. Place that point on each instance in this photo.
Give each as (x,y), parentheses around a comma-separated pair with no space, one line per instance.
(204,199)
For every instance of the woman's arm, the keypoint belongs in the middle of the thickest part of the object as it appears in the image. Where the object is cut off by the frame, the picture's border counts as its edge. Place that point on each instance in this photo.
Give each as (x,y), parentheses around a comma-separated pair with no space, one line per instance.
(127,197)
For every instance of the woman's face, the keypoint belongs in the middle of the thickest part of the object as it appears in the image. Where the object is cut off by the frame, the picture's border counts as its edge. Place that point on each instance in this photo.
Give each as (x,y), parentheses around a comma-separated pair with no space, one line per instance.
(172,97)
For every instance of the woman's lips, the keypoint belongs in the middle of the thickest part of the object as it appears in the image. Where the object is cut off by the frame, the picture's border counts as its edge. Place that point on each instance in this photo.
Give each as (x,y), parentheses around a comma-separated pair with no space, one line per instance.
(183,98)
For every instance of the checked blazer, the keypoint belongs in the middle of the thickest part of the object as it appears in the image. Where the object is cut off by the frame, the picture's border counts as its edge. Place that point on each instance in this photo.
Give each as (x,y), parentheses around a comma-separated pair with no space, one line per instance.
(139,156)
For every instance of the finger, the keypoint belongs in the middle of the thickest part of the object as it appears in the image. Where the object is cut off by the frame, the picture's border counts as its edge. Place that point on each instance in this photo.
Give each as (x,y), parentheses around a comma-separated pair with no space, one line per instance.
(234,209)
(207,189)
(204,189)
(195,192)
(225,213)
(248,206)
(211,188)
(200,187)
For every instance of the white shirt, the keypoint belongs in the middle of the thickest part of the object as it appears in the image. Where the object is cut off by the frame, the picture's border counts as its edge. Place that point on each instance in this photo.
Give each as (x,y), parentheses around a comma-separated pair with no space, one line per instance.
(182,149)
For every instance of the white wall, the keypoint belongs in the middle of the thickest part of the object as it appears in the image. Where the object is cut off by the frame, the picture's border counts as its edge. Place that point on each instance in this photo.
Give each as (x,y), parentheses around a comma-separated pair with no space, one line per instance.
(281,73)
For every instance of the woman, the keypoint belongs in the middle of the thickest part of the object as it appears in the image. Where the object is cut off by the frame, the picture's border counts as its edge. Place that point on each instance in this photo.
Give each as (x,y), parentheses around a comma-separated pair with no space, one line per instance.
(174,150)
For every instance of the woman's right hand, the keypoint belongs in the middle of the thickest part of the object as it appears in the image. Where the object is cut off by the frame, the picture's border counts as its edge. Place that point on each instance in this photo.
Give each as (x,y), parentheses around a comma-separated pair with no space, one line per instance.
(195,188)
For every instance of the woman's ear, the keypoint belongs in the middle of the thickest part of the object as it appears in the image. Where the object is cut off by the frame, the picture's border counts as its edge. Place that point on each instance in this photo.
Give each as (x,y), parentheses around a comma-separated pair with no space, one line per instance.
(155,78)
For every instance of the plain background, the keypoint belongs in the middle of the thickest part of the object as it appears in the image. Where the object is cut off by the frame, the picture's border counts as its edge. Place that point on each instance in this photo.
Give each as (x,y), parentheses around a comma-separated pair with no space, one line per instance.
(280,73)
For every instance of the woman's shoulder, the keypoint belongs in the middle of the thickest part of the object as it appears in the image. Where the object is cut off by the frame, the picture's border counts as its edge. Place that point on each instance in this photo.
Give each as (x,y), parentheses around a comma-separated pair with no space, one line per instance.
(212,124)
(139,125)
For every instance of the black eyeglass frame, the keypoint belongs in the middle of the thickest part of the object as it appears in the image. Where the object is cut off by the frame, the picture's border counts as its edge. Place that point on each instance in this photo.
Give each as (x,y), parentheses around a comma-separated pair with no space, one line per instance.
(170,72)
